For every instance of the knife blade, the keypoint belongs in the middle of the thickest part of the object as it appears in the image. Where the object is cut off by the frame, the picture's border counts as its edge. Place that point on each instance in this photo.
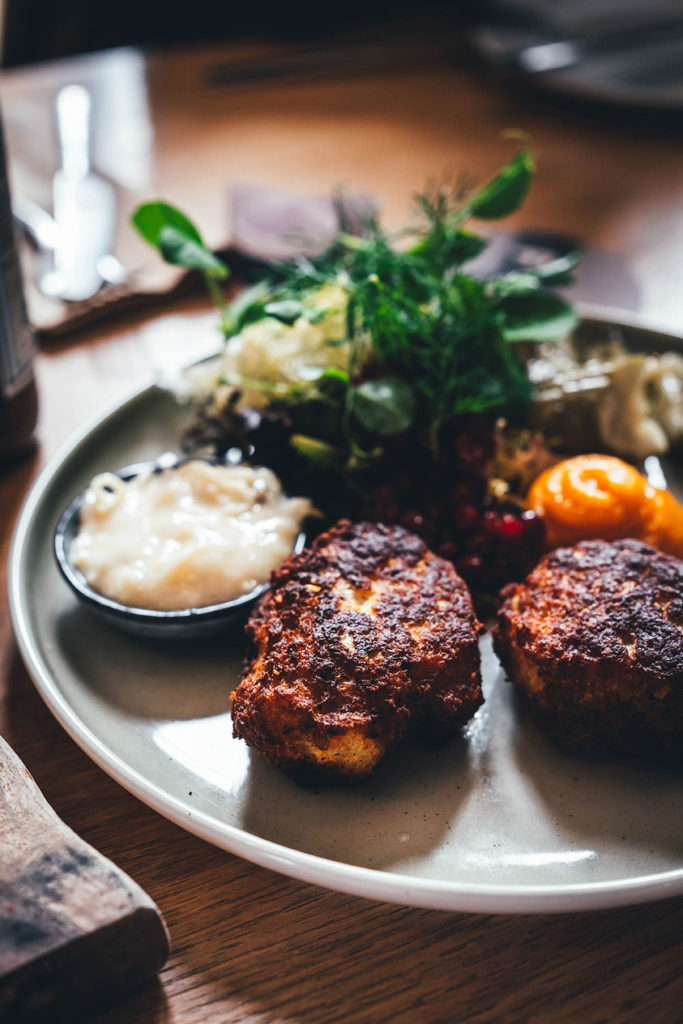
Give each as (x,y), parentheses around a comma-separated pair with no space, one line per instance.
(84,205)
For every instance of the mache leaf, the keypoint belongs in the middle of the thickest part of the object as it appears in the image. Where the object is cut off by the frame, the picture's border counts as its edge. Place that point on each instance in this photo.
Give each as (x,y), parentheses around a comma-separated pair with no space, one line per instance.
(178,249)
(151,218)
(176,237)
(506,191)
(286,310)
(536,316)
(385,406)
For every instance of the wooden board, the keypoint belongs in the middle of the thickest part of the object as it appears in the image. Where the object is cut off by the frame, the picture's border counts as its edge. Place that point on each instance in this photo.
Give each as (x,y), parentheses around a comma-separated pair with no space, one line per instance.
(74,929)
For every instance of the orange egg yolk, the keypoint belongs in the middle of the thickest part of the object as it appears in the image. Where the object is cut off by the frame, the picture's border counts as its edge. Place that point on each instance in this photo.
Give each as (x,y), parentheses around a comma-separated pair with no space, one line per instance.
(600,496)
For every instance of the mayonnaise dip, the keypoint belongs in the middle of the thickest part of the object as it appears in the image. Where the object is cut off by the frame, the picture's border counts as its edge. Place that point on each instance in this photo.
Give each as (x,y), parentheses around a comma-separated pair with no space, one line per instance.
(185,537)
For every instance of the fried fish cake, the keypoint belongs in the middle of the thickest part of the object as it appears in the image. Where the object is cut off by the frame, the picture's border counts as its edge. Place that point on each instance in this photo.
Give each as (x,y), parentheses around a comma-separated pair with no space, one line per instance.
(359,637)
(594,638)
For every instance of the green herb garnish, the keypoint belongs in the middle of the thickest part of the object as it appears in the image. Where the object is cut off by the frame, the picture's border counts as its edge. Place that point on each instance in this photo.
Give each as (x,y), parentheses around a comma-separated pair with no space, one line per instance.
(424,340)
(180,243)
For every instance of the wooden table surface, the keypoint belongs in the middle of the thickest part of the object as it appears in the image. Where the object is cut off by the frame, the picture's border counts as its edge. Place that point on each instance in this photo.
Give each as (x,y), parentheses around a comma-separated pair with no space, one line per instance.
(250,945)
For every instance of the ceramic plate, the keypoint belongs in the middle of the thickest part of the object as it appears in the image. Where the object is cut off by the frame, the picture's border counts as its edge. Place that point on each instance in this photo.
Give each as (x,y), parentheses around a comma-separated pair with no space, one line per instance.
(496,821)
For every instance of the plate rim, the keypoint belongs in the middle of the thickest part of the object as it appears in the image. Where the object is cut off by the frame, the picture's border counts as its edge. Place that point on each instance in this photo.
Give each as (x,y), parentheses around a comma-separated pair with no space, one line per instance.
(370,883)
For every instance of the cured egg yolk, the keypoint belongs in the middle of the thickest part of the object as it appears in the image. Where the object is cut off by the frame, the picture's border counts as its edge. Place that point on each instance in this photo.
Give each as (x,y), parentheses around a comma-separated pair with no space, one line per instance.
(601,497)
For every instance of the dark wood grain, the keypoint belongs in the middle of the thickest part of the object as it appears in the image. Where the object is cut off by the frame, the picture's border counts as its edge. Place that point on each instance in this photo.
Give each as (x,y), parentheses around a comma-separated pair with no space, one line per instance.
(250,946)
(73,926)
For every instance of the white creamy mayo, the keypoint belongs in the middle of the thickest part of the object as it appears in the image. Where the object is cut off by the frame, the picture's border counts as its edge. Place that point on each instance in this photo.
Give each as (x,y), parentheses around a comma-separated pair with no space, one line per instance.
(185,537)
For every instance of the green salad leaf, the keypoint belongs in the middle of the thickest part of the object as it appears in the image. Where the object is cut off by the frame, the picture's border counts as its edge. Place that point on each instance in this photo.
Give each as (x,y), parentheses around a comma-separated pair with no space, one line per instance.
(424,339)
(176,238)
(506,192)
(180,243)
(385,406)
(536,315)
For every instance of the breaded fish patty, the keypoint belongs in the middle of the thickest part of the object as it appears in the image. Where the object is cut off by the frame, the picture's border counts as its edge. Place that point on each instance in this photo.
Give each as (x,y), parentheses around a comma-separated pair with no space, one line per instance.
(594,638)
(360,636)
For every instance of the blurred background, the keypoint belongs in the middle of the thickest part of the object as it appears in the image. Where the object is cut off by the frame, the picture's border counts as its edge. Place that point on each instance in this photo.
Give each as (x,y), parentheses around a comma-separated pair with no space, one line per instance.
(190,105)
(38,30)
(631,50)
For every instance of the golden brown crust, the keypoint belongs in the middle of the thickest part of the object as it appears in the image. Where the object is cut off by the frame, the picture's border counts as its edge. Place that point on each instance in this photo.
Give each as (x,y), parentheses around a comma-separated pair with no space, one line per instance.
(358,637)
(594,637)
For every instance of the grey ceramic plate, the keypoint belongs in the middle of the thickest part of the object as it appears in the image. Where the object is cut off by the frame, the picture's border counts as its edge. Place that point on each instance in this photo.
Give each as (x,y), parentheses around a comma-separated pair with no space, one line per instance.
(497,821)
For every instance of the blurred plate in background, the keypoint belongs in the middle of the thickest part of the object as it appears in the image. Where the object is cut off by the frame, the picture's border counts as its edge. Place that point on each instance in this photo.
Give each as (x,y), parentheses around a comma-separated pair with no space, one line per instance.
(628,53)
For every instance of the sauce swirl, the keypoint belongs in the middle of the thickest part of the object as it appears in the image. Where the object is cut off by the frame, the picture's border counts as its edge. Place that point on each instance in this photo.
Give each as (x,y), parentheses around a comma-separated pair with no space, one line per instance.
(186,537)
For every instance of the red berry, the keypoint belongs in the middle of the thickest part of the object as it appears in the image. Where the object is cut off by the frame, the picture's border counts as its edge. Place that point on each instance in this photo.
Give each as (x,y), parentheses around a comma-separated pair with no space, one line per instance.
(490,522)
(466,518)
(477,543)
(390,513)
(473,454)
(448,549)
(463,493)
(470,566)
(413,520)
(510,526)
